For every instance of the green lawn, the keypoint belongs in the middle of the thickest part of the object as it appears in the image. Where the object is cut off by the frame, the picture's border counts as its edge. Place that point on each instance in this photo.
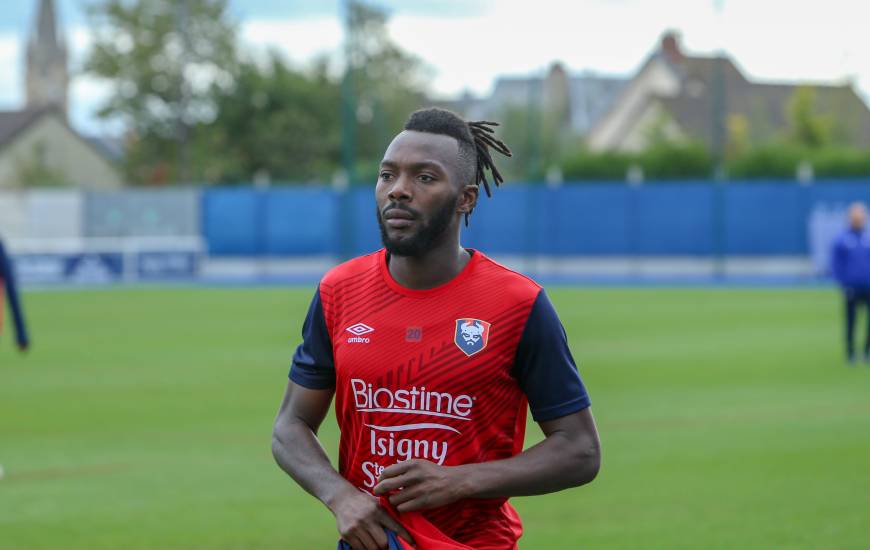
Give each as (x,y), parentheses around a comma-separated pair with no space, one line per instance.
(142,419)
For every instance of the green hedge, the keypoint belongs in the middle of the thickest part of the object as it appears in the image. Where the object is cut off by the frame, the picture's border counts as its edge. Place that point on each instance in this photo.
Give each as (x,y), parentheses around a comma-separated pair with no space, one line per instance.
(783,161)
(661,162)
(596,166)
(766,162)
(692,161)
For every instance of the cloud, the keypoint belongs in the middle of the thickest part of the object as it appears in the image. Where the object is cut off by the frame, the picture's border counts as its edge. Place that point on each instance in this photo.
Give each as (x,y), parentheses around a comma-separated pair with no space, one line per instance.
(299,40)
(771,40)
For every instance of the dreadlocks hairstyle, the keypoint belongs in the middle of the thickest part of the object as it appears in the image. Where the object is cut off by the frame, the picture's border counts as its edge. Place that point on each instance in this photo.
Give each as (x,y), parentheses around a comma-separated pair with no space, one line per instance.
(476,139)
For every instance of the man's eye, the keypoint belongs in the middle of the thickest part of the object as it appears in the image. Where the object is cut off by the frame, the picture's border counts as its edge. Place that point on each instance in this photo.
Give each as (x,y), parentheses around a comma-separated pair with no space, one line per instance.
(426,178)
(386,176)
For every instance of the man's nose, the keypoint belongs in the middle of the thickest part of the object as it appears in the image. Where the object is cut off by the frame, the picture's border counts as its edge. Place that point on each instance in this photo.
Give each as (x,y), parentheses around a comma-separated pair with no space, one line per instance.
(401,189)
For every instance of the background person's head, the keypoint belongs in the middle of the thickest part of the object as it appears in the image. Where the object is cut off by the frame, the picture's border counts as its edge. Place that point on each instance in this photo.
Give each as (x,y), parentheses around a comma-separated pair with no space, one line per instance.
(857,215)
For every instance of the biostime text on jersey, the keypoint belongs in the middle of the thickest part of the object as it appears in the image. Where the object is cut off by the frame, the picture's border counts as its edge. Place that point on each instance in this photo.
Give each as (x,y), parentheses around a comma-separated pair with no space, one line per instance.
(387,441)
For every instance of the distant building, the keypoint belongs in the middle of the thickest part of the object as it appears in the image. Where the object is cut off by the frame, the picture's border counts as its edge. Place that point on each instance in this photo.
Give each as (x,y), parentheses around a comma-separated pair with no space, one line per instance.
(37,145)
(47,76)
(707,98)
(583,98)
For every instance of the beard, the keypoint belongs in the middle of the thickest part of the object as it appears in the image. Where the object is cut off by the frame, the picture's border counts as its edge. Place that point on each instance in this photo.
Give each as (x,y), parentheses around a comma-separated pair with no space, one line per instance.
(427,236)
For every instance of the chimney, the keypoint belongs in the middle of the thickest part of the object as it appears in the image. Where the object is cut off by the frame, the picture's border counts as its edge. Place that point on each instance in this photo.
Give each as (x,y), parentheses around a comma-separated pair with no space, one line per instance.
(670,47)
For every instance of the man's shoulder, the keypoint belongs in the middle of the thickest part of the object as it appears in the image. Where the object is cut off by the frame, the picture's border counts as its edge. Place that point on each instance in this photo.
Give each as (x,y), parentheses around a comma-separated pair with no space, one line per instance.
(507,282)
(847,237)
(353,269)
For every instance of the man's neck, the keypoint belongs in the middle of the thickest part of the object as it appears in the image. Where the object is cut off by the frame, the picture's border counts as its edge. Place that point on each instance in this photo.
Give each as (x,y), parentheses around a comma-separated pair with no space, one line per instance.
(435,268)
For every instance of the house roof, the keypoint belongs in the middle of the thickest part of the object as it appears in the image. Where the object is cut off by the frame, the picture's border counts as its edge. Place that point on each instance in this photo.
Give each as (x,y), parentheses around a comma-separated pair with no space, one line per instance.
(13,122)
(111,148)
(764,105)
(765,108)
(589,97)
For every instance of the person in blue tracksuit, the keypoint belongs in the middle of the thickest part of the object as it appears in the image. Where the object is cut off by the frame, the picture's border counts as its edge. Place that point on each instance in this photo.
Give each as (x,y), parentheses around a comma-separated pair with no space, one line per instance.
(7,282)
(850,266)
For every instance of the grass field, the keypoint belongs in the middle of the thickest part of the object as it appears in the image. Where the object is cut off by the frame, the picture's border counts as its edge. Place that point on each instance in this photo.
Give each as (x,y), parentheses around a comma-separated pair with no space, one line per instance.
(142,419)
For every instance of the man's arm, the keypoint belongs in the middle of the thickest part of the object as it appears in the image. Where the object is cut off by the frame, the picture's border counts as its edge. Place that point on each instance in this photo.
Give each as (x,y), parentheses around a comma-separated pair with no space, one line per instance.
(569,456)
(838,261)
(361,521)
(7,279)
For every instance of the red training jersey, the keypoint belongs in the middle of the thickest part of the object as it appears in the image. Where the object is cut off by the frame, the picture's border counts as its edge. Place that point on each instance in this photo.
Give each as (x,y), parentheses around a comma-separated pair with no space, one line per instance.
(443,374)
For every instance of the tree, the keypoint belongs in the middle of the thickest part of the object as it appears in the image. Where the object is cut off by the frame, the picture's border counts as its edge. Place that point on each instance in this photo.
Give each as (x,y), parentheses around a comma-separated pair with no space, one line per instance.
(738,131)
(272,121)
(163,57)
(670,155)
(197,112)
(806,127)
(386,83)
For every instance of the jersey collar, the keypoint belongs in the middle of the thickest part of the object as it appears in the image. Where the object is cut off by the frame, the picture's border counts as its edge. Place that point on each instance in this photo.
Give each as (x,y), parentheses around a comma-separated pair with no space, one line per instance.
(415,293)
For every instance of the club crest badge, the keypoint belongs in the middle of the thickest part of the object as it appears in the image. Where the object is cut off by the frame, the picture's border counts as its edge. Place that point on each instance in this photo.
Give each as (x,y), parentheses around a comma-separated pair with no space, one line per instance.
(471,335)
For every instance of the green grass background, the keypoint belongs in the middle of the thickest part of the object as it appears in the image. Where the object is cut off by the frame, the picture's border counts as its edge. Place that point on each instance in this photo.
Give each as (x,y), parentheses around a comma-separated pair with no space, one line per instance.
(142,419)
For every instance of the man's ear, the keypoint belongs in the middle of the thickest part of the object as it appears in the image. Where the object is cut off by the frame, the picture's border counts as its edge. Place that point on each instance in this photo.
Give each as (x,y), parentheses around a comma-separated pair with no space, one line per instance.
(467,199)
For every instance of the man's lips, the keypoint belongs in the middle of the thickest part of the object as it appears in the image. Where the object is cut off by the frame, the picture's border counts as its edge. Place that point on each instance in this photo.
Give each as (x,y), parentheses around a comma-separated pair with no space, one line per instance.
(399,223)
(396,213)
(398,218)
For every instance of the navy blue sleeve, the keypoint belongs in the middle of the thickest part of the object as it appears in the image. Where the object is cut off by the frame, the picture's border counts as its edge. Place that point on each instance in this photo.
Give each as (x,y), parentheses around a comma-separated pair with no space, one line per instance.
(545,368)
(313,366)
(838,260)
(8,279)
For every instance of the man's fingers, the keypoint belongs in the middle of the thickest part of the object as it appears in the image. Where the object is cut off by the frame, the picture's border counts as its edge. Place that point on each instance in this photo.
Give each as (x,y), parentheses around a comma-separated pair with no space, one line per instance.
(366,541)
(396,469)
(388,522)
(405,495)
(376,531)
(391,484)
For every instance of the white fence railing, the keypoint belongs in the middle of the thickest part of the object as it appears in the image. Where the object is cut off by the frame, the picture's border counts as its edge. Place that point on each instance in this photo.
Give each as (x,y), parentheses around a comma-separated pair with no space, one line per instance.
(106,260)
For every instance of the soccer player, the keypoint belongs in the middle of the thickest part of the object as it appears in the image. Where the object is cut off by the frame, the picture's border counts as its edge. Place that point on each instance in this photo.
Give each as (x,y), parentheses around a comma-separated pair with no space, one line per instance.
(850,265)
(7,282)
(432,352)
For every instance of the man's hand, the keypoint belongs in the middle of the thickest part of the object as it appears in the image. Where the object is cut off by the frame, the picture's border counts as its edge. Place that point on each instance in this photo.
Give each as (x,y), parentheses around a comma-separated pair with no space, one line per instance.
(420,485)
(297,450)
(569,456)
(361,521)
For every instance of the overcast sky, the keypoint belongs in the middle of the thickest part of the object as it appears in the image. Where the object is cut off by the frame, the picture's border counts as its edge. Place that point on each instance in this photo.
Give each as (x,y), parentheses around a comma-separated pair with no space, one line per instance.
(467,43)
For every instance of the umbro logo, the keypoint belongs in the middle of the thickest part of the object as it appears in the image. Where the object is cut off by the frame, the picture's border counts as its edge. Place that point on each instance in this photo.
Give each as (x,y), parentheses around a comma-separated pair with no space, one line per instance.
(358,330)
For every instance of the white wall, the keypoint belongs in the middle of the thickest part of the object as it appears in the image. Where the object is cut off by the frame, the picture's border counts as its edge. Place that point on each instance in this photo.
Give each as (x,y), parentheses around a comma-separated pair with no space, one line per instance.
(13,213)
(65,152)
(654,79)
(41,214)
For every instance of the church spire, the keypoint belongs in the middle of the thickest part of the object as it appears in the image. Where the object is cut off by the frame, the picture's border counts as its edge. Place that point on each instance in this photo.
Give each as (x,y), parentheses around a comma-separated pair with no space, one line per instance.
(47,76)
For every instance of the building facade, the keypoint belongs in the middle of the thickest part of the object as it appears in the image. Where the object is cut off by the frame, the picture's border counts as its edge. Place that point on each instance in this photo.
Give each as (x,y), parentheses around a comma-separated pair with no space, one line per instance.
(38,147)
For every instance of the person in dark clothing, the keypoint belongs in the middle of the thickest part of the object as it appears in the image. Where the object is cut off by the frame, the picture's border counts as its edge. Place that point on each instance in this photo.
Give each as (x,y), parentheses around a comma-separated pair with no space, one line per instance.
(850,265)
(7,282)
